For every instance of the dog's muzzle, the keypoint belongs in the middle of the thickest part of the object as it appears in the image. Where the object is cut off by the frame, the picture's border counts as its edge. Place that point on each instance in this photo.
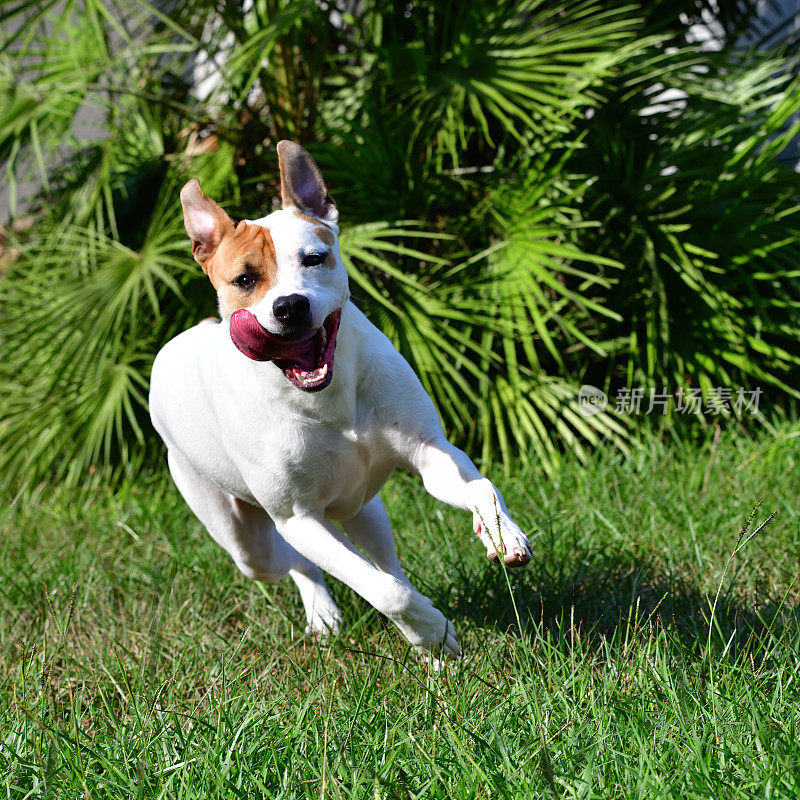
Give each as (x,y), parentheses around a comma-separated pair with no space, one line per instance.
(307,361)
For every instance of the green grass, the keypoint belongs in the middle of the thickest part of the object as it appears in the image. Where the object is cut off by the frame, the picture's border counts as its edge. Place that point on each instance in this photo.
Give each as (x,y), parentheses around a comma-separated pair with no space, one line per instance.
(136,662)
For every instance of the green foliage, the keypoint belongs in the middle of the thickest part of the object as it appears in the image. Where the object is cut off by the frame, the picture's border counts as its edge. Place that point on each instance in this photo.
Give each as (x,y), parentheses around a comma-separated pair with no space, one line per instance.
(520,215)
(696,204)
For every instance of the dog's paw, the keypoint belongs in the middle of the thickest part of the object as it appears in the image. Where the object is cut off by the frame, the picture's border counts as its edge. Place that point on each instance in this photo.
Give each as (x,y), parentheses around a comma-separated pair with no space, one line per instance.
(428,630)
(325,621)
(505,537)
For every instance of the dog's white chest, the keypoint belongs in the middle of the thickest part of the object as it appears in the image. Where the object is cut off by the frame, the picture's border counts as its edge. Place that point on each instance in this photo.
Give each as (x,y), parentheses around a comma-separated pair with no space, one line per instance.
(260,439)
(293,464)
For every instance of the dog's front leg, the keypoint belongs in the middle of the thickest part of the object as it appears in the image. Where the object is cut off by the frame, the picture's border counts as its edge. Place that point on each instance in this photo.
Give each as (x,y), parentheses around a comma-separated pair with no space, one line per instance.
(450,476)
(323,544)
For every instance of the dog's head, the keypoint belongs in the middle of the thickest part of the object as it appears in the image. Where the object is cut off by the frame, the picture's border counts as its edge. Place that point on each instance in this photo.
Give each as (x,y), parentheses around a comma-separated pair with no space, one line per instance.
(280,280)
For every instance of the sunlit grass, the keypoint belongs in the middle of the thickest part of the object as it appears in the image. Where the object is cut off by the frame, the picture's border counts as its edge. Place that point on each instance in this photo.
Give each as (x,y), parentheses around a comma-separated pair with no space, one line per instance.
(136,661)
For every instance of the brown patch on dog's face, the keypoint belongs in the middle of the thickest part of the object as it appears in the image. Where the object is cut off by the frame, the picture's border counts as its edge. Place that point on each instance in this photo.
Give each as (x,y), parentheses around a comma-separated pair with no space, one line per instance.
(307,218)
(240,260)
(325,235)
(243,268)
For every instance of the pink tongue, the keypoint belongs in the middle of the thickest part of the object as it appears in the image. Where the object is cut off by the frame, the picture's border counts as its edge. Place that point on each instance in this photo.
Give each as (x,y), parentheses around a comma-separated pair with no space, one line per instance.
(256,342)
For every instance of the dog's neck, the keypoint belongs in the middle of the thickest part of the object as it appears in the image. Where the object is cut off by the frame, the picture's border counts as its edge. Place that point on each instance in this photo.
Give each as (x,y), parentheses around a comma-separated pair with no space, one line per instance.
(335,403)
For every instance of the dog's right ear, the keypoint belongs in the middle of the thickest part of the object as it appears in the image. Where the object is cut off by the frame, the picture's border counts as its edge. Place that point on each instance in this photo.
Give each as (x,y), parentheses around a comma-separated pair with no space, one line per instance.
(205,221)
(302,184)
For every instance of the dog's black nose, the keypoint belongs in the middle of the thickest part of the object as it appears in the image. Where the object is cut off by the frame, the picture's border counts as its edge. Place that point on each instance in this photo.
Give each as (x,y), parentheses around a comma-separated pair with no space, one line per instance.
(292,309)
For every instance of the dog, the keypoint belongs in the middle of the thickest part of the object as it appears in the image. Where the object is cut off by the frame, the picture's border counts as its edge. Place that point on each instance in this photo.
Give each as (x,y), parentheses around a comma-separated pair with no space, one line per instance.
(290,414)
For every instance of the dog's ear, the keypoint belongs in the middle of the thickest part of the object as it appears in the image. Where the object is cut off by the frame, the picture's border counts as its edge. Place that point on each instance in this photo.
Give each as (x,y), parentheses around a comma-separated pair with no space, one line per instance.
(302,184)
(205,221)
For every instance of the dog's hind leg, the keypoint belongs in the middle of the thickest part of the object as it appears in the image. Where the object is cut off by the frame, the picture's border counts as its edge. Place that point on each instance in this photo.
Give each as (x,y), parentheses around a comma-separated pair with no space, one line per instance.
(371,530)
(258,550)
(322,613)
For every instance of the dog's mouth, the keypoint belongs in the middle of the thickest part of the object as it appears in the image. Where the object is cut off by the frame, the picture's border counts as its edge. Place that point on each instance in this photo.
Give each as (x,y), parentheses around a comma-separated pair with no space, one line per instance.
(307,361)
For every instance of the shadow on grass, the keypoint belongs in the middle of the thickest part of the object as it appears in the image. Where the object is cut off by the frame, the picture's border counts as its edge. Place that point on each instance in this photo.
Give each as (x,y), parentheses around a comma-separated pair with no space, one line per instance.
(605,600)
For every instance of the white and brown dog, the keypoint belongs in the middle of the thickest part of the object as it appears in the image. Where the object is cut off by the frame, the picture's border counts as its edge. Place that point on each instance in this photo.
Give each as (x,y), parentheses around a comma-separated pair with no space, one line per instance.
(269,444)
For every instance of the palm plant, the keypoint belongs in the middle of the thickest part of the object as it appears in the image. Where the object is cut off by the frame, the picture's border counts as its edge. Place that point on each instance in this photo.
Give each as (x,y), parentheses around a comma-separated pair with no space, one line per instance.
(693,199)
(488,216)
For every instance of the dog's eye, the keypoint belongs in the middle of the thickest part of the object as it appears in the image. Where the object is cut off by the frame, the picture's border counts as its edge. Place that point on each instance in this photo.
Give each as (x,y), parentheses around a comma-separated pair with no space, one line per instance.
(313,259)
(245,281)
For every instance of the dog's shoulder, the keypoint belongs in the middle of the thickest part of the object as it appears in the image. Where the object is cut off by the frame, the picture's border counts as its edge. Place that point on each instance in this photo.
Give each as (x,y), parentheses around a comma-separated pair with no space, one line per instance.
(369,339)
(177,366)
(386,380)
(190,343)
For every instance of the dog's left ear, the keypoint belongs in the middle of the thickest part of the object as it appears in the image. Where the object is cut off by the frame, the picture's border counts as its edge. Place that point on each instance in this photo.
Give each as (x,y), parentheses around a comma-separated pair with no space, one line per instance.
(302,184)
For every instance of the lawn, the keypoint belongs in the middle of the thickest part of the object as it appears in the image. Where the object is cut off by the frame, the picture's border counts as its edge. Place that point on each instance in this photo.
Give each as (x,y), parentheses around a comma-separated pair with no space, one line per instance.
(136,662)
